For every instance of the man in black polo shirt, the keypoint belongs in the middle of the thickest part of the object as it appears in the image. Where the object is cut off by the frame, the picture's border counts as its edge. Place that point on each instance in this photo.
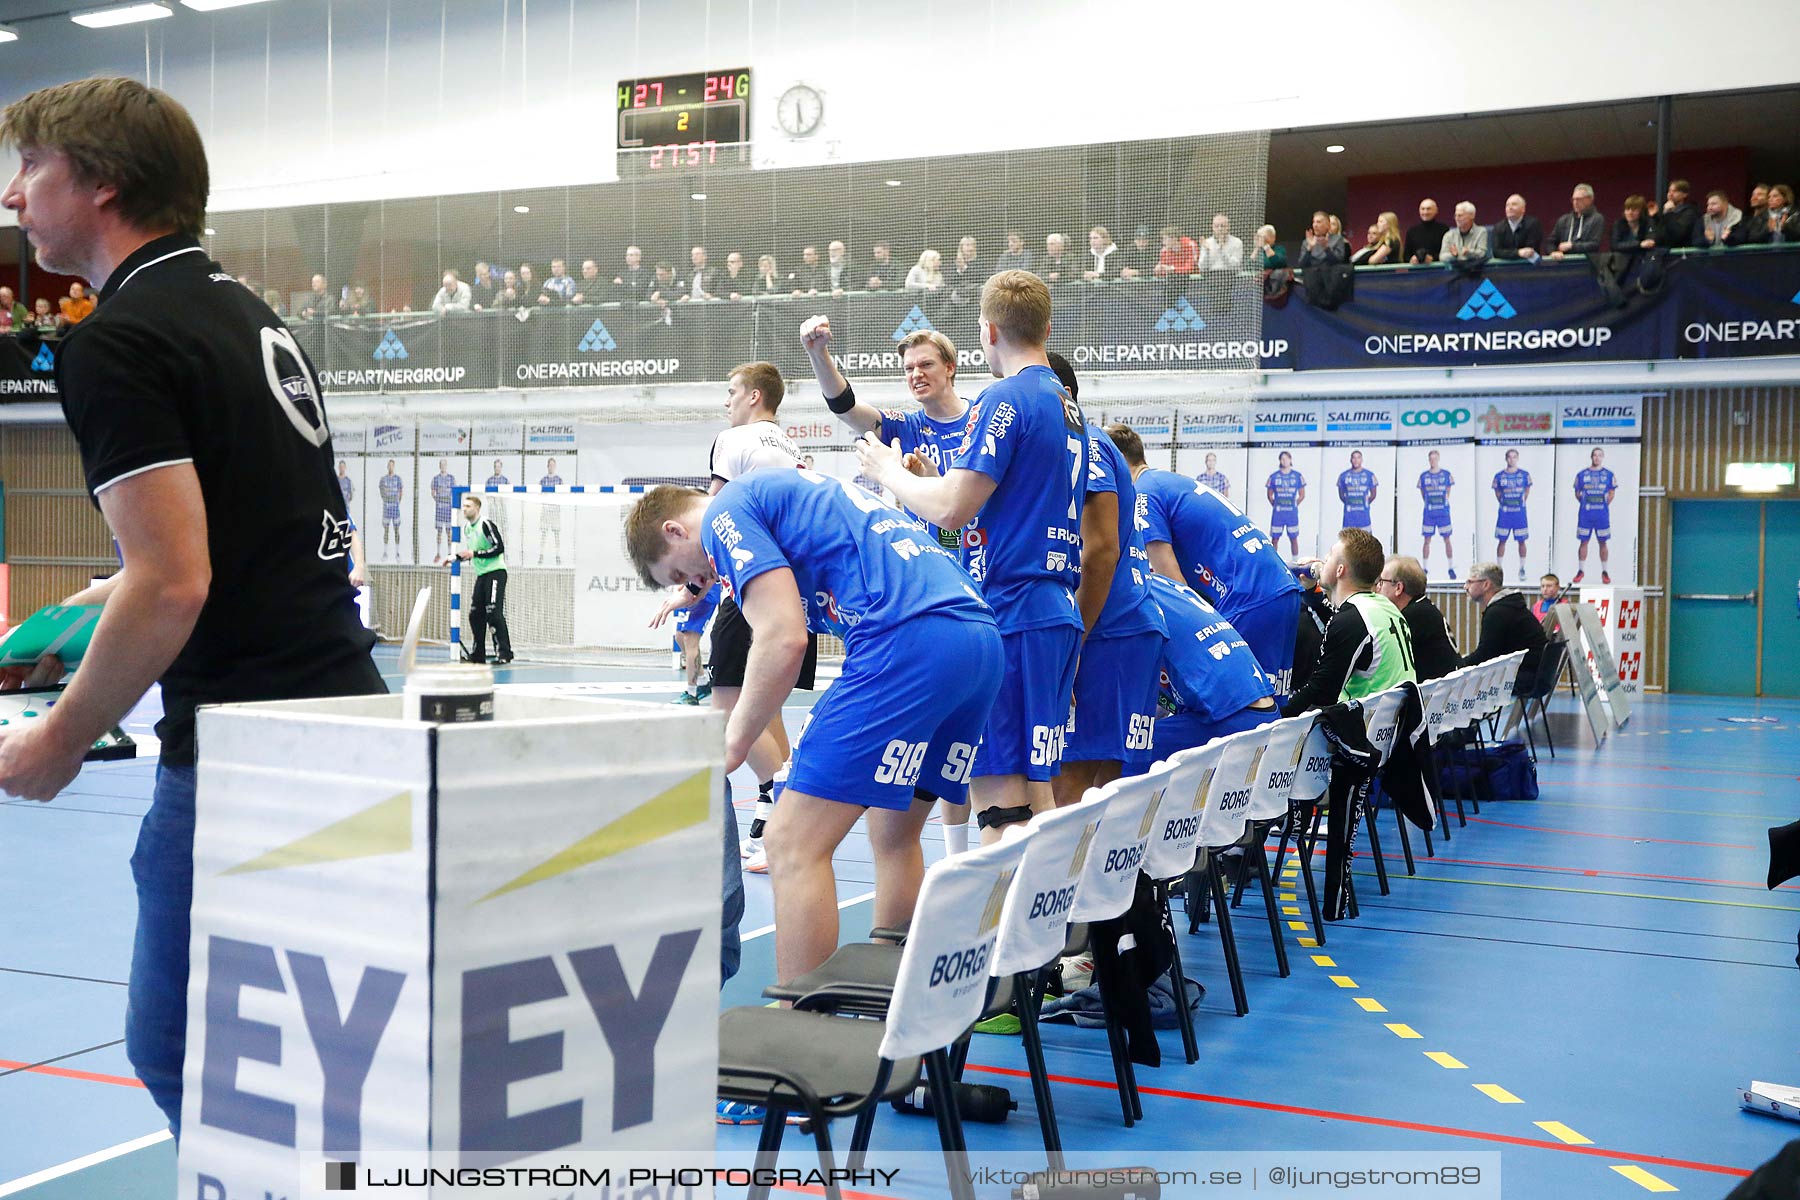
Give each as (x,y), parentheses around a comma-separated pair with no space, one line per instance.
(206,447)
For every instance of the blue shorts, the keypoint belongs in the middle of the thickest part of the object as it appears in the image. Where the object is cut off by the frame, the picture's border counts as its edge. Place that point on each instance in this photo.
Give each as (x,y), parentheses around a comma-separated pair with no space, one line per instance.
(1356,518)
(1115,701)
(1025,730)
(1594,522)
(693,620)
(896,720)
(1185,730)
(390,514)
(1435,521)
(1284,520)
(1269,629)
(1511,522)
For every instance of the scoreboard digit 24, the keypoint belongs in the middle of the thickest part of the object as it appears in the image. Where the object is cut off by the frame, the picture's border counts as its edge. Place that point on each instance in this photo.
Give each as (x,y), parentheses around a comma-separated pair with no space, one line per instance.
(684,123)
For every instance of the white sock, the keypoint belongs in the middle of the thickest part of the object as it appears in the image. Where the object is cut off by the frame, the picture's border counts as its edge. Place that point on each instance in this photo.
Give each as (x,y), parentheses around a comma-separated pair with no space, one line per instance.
(956,838)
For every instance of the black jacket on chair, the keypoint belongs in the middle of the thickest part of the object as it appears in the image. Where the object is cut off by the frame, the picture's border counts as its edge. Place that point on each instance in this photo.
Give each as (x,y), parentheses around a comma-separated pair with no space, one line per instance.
(1434,650)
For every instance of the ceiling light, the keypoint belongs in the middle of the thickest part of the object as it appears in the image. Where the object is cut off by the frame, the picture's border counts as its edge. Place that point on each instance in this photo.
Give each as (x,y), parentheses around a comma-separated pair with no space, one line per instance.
(893,183)
(698,196)
(8,34)
(216,5)
(521,208)
(121,14)
(1334,149)
(1759,476)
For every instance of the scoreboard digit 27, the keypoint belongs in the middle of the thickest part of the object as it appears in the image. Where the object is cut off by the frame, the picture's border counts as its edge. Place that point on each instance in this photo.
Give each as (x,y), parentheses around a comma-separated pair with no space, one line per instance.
(681,123)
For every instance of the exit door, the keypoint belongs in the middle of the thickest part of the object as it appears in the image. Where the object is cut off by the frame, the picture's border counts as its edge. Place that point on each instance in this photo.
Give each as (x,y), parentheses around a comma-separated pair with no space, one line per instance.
(1734,620)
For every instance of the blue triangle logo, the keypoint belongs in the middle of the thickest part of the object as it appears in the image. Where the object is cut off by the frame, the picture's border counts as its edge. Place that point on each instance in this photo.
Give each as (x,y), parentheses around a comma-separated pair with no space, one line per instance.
(915,321)
(1179,318)
(598,338)
(1796,299)
(46,358)
(1487,304)
(391,347)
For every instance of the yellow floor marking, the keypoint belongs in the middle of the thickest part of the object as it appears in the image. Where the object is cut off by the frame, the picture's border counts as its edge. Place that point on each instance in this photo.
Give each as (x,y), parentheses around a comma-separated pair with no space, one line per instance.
(1308,943)
(1296,924)
(1645,1179)
(1290,910)
(1368,1005)
(1558,1130)
(1323,960)
(1343,981)
(1405,1031)
(1447,1061)
(1288,896)
(1497,1094)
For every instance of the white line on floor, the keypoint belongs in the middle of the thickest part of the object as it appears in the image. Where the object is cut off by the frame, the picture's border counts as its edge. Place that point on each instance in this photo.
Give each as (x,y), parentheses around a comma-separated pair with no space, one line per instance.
(766,930)
(82,1163)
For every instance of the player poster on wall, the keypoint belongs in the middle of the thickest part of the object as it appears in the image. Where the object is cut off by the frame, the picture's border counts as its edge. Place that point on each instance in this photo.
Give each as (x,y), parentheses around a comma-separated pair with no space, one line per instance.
(1210,448)
(1435,488)
(542,541)
(1282,494)
(1597,469)
(1515,467)
(443,467)
(388,499)
(349,442)
(1155,425)
(1358,468)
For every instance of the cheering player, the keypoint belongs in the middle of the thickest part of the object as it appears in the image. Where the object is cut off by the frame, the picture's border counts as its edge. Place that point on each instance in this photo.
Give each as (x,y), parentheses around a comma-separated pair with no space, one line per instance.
(1287,489)
(1595,487)
(1356,491)
(443,489)
(1434,489)
(1214,478)
(1020,471)
(1512,487)
(390,487)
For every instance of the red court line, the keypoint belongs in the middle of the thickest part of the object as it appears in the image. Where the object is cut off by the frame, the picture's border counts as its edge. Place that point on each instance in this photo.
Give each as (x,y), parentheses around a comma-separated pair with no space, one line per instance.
(1620,837)
(1386,1123)
(1589,872)
(65,1073)
(1653,787)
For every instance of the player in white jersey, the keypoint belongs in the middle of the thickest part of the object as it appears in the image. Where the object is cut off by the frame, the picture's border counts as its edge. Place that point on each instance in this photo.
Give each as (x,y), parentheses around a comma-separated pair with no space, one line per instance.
(934,431)
(754,441)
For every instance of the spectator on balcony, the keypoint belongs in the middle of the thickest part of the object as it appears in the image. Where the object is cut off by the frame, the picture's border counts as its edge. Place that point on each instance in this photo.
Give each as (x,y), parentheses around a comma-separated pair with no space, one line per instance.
(1223,250)
(1424,241)
(1374,252)
(15,315)
(528,284)
(1180,253)
(1579,231)
(838,272)
(319,304)
(735,281)
(1389,224)
(928,274)
(1779,224)
(77,306)
(1636,229)
(1759,205)
(1104,256)
(810,279)
(664,287)
(633,281)
(1058,266)
(588,287)
(768,277)
(276,305)
(42,318)
(967,275)
(703,282)
(452,297)
(1140,257)
(1680,219)
(359,303)
(1466,245)
(1518,234)
(884,272)
(1321,246)
(1269,255)
(1015,257)
(1720,223)
(559,288)
(484,286)
(508,295)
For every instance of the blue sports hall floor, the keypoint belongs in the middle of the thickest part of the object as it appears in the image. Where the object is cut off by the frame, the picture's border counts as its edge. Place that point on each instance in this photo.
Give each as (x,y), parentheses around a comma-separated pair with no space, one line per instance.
(1578,983)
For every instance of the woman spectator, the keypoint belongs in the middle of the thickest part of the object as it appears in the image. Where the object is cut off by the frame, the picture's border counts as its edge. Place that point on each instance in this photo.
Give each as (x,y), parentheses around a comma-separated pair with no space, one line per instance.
(1636,229)
(768,279)
(1389,224)
(1375,252)
(272,298)
(359,303)
(928,274)
(1779,224)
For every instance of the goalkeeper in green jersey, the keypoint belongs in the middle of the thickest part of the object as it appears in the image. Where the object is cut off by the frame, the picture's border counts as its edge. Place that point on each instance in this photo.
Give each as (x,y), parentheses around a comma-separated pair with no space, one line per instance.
(486,550)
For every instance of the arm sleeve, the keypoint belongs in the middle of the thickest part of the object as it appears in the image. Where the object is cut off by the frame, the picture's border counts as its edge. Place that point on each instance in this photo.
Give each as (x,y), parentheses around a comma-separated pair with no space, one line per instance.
(753,549)
(1156,518)
(1345,638)
(496,544)
(1488,647)
(120,405)
(991,444)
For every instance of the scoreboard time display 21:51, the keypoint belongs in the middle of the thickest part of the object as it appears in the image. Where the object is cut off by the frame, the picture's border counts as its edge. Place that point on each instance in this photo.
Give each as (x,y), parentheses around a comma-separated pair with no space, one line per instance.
(684,123)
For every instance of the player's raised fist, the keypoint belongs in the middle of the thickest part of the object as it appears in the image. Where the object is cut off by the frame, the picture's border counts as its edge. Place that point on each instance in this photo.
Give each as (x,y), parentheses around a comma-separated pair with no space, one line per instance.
(815,334)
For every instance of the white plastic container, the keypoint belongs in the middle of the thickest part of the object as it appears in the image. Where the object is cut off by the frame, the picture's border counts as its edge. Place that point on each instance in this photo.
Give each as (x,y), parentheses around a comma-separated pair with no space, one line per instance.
(449,693)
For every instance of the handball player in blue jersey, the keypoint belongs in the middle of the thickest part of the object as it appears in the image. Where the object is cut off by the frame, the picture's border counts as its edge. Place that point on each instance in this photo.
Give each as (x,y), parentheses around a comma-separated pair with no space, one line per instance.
(689,625)
(1434,489)
(1512,487)
(344,484)
(1019,478)
(1110,732)
(443,491)
(1595,487)
(390,488)
(797,549)
(498,478)
(1198,537)
(1286,488)
(1214,478)
(1356,491)
(1210,684)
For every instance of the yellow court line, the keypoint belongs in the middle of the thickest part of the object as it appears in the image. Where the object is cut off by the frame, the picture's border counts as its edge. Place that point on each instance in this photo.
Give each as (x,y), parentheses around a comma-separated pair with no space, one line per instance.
(1287,896)
(1404,1031)
(1296,924)
(1561,1132)
(1497,1094)
(1343,981)
(1646,1180)
(1290,910)
(1368,1005)
(1323,960)
(1447,1061)
(1307,943)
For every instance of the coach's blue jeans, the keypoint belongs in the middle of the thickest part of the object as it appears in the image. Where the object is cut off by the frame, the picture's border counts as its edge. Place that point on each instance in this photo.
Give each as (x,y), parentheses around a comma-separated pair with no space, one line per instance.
(730,947)
(156,1011)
